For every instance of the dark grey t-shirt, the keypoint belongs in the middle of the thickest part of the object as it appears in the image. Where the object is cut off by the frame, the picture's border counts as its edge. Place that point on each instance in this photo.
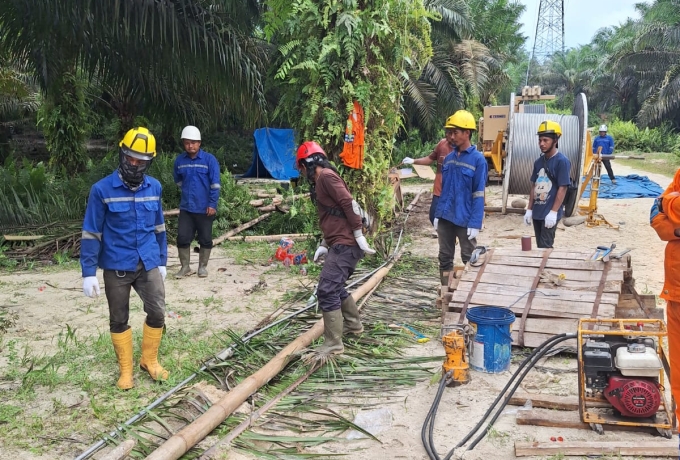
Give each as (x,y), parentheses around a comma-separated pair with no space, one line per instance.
(545,188)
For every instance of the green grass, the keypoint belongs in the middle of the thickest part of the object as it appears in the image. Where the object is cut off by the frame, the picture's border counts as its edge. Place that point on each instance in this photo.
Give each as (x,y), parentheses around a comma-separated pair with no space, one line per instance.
(659,163)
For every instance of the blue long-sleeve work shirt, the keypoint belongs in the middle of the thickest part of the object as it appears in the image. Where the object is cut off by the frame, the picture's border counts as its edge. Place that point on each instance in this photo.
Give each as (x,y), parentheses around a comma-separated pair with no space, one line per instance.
(463,181)
(199,180)
(606,142)
(122,227)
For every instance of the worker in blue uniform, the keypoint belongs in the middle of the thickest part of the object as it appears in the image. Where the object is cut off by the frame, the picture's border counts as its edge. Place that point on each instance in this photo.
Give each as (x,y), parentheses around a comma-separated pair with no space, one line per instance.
(460,210)
(197,173)
(124,235)
(605,141)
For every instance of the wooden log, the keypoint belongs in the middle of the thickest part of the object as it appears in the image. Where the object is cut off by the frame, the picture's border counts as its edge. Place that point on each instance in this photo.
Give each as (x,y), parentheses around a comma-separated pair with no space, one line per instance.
(256,203)
(268,209)
(499,209)
(180,443)
(22,237)
(253,238)
(667,448)
(121,451)
(171,213)
(240,228)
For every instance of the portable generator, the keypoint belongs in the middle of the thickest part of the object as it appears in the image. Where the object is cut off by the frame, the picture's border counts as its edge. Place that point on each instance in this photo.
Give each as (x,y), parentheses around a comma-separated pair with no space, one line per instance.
(622,367)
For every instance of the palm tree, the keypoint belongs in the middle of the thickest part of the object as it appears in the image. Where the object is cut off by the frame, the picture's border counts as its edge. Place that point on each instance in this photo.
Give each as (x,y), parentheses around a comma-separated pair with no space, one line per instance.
(656,60)
(181,58)
(569,73)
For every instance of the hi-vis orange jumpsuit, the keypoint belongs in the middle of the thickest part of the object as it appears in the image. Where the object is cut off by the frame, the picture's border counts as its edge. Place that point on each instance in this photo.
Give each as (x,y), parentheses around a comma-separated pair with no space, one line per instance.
(665,218)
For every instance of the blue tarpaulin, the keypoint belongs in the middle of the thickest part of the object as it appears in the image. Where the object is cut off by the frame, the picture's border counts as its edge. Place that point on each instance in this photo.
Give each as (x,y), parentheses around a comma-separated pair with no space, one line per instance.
(273,155)
(630,186)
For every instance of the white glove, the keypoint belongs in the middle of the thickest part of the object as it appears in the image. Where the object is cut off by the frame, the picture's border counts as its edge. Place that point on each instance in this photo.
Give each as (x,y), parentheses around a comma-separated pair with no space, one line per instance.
(320,252)
(435,223)
(361,241)
(163,270)
(551,219)
(91,286)
(528,217)
(408,161)
(472,233)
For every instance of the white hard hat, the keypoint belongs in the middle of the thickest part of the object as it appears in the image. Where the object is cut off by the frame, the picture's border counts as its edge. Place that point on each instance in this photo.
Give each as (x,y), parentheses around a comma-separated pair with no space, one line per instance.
(191,133)
(603,127)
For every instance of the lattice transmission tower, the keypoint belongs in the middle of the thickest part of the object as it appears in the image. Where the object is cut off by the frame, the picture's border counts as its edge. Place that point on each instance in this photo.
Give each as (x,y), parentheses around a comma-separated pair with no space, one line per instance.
(549,37)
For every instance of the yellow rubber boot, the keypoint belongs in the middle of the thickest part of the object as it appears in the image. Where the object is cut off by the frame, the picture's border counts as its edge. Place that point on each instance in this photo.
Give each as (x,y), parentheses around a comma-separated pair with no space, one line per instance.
(122,343)
(150,343)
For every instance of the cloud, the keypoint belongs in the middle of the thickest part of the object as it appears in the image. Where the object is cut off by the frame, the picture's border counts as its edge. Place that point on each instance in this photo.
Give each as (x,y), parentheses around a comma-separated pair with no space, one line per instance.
(582,18)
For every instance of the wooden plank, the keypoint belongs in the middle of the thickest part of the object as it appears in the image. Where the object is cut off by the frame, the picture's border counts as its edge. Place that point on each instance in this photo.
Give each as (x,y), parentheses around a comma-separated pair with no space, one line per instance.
(564,294)
(531,272)
(535,332)
(557,419)
(554,402)
(554,264)
(555,254)
(540,306)
(526,282)
(666,448)
(424,171)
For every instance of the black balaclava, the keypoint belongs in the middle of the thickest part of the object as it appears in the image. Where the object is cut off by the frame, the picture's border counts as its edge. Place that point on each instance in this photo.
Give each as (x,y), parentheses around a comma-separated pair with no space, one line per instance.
(132,176)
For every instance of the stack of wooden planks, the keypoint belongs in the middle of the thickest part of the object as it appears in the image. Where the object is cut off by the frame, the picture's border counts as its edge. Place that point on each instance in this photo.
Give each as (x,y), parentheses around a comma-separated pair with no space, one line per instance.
(548,290)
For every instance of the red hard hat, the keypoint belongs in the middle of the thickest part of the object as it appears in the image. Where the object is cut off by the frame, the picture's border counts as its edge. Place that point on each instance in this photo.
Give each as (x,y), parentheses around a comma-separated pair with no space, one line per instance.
(307,149)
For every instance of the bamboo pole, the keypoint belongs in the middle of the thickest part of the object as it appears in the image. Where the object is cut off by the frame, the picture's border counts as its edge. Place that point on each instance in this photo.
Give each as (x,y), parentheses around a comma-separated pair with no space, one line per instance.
(239,229)
(171,213)
(253,238)
(121,451)
(189,436)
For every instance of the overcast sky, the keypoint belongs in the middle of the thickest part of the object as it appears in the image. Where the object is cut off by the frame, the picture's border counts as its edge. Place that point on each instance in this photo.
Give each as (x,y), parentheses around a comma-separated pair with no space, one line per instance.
(582,18)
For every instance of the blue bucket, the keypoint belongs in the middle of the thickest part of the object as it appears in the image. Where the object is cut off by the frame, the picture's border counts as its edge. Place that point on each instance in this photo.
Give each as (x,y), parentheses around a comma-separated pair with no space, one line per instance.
(492,345)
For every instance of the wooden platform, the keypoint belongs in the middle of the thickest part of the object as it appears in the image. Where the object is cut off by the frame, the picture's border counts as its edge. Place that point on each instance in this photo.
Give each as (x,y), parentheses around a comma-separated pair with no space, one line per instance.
(548,290)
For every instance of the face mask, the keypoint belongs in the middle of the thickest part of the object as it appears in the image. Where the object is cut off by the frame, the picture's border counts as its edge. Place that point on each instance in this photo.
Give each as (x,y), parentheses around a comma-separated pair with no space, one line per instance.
(132,175)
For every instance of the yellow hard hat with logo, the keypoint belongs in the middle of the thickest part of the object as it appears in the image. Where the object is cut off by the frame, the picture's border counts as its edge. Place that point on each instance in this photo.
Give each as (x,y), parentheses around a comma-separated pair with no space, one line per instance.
(549,127)
(139,143)
(461,119)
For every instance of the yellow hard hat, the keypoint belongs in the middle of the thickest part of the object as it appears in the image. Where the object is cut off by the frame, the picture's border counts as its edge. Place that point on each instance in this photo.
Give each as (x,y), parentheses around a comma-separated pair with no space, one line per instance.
(461,119)
(549,127)
(139,143)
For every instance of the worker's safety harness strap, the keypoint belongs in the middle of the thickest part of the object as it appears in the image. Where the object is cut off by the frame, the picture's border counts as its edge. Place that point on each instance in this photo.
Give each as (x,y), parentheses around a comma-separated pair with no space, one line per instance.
(487,259)
(530,299)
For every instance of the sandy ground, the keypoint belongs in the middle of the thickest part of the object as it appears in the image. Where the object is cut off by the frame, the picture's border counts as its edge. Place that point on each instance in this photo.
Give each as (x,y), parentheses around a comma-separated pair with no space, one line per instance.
(48,300)
(461,408)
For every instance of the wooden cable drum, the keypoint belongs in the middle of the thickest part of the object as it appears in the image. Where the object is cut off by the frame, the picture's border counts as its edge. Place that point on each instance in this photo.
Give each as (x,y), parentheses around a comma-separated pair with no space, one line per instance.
(523,147)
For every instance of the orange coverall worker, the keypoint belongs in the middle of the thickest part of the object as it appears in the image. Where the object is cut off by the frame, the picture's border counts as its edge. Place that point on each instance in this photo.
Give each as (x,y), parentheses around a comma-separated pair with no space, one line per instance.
(665,219)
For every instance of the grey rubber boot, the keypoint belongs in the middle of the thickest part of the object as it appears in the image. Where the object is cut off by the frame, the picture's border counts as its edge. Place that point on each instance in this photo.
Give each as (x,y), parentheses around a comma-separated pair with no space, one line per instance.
(184,259)
(332,333)
(352,320)
(203,257)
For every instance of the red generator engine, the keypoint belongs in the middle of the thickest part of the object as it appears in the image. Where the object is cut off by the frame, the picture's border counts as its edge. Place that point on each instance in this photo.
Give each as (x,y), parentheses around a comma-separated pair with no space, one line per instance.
(625,372)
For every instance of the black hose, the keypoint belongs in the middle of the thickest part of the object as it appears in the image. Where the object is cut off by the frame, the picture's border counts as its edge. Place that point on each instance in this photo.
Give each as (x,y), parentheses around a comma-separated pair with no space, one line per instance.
(529,362)
(514,388)
(429,445)
(545,345)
